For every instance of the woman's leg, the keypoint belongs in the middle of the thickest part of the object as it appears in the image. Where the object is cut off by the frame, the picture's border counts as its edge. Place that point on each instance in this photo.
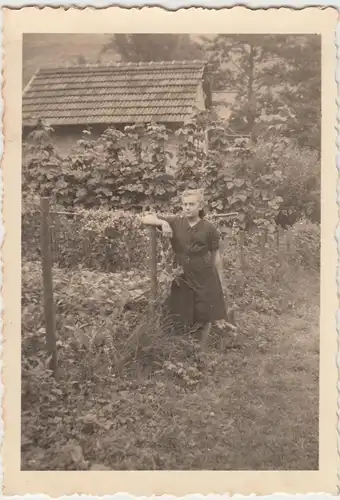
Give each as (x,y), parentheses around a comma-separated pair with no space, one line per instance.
(205,333)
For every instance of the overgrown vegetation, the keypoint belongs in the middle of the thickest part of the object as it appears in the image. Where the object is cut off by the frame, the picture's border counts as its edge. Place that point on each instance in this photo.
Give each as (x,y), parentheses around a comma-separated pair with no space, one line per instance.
(131,396)
(258,181)
(128,395)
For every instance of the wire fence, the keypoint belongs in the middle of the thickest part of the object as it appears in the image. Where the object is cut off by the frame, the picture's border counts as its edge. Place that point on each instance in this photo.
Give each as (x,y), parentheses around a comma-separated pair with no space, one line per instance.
(115,249)
(62,243)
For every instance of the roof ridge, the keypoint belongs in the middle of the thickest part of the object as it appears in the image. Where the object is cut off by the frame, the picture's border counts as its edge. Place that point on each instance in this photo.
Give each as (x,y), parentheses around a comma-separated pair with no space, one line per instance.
(126,64)
(31,80)
(161,82)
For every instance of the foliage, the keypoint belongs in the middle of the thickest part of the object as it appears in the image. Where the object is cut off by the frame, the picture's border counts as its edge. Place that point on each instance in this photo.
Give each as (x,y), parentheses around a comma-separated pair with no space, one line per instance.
(120,299)
(267,282)
(118,171)
(122,378)
(97,239)
(265,104)
(300,188)
(306,241)
(153,47)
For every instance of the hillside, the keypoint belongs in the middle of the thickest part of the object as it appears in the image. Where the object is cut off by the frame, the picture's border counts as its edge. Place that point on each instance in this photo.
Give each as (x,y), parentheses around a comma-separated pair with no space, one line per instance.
(61,49)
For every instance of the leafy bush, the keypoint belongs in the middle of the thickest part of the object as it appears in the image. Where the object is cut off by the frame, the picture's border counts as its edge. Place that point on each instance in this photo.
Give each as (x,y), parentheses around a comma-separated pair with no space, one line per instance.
(96,239)
(267,282)
(306,243)
(130,170)
(300,188)
(118,366)
(121,299)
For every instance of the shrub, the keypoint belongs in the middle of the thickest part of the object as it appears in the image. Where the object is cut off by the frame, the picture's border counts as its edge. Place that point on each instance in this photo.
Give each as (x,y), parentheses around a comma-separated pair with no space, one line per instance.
(300,188)
(109,346)
(93,238)
(108,332)
(102,333)
(117,171)
(306,243)
(267,283)
(96,239)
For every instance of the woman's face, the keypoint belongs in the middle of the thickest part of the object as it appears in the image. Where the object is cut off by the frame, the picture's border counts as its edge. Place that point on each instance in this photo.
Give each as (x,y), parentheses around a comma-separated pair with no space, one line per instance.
(191,205)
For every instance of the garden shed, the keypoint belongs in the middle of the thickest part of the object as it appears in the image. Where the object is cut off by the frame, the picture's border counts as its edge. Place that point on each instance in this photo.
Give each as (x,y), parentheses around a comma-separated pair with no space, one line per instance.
(72,98)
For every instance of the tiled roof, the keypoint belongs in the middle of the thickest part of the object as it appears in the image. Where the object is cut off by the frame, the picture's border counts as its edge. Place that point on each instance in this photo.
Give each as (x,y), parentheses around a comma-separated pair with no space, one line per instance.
(116,93)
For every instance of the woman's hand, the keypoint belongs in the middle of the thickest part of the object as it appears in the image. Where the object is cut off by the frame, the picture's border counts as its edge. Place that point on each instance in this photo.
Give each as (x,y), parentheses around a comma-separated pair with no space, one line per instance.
(150,220)
(224,324)
(166,229)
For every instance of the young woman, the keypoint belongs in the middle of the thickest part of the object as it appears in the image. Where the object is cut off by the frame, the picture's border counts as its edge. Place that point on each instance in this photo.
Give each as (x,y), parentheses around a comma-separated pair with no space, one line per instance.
(196,299)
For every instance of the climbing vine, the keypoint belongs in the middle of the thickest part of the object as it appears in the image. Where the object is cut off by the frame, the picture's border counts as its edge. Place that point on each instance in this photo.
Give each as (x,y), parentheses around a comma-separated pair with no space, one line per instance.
(129,170)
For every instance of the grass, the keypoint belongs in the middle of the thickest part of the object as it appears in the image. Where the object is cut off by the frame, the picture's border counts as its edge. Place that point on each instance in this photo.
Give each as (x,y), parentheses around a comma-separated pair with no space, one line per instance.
(251,406)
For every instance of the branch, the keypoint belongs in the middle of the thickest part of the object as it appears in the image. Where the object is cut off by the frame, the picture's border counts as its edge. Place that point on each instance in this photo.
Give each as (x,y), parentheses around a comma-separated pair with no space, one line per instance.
(236,65)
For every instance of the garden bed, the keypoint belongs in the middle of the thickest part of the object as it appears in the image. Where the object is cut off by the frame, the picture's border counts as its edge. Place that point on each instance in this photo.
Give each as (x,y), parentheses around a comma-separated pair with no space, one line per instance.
(130,396)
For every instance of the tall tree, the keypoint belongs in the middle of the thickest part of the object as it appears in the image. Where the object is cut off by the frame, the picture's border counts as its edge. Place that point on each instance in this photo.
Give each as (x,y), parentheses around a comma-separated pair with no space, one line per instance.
(278,83)
(154,47)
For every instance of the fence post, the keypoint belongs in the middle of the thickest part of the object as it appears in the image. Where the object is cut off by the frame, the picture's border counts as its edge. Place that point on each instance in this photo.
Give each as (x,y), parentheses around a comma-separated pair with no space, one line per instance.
(278,243)
(86,250)
(46,259)
(241,250)
(56,225)
(52,241)
(288,241)
(153,265)
(278,238)
(263,243)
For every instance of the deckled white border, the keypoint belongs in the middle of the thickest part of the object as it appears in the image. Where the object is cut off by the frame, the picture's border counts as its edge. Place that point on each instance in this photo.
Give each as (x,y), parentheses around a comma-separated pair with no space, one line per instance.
(337,76)
(198,496)
(2,233)
(177,4)
(174,5)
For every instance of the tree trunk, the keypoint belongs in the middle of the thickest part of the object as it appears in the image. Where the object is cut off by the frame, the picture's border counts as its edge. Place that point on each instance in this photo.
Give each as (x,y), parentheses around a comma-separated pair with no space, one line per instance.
(251,100)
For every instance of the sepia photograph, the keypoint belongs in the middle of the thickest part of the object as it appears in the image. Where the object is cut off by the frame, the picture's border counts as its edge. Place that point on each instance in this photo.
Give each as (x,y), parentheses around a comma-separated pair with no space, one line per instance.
(171,202)
(170,217)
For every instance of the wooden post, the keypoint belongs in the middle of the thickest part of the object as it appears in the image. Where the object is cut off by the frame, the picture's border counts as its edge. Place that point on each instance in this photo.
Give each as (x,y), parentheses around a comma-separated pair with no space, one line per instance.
(56,239)
(52,240)
(242,261)
(153,265)
(107,256)
(263,240)
(241,250)
(288,241)
(278,234)
(87,250)
(46,256)
(74,248)
(266,236)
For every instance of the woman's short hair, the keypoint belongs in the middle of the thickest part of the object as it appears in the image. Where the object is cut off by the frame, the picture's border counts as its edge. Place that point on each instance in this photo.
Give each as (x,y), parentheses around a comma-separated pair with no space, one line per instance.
(200,194)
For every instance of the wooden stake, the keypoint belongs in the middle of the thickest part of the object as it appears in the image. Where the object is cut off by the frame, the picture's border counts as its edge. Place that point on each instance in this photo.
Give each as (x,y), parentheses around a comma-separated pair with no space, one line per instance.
(241,250)
(153,266)
(278,234)
(263,239)
(288,241)
(49,310)
(87,250)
